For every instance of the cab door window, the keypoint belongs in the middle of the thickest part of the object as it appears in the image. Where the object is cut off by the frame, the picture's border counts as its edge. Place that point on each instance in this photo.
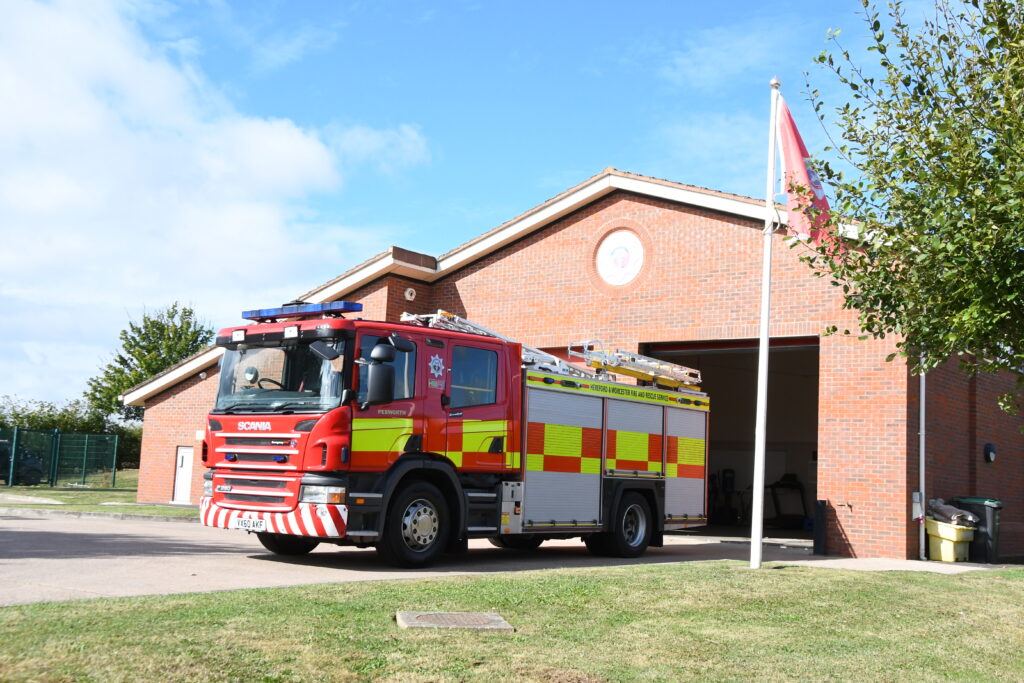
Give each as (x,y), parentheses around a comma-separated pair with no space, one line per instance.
(474,377)
(404,364)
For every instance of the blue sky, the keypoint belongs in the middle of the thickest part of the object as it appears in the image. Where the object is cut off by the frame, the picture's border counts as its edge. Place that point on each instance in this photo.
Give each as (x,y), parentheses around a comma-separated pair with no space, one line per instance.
(233,155)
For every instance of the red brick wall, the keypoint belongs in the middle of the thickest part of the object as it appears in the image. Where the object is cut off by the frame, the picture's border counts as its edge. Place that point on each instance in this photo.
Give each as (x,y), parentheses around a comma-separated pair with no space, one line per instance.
(701,281)
(374,298)
(171,420)
(962,415)
(862,467)
(397,304)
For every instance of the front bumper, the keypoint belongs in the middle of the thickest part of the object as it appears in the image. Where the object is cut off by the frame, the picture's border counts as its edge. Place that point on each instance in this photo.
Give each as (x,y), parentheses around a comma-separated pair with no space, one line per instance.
(307,519)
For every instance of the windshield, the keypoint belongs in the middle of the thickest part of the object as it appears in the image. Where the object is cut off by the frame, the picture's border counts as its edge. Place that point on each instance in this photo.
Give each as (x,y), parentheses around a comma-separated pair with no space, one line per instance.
(280,379)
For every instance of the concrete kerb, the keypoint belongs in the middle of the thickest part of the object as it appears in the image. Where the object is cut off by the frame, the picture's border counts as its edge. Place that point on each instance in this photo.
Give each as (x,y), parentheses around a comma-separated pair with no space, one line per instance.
(37,512)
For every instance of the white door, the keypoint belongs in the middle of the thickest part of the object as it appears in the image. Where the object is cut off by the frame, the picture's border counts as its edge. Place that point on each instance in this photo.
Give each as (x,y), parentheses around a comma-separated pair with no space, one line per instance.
(183,476)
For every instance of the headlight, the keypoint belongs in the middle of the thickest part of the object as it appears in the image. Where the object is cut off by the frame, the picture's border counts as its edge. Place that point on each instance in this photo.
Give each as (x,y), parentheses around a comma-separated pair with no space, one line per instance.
(322,494)
(207,488)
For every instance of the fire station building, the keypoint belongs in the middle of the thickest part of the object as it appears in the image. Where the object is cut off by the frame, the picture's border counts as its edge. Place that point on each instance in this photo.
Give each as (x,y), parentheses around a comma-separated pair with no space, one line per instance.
(673,271)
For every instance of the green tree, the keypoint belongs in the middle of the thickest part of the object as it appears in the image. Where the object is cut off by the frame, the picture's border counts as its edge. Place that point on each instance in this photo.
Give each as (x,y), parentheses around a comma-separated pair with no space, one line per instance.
(73,417)
(934,132)
(158,342)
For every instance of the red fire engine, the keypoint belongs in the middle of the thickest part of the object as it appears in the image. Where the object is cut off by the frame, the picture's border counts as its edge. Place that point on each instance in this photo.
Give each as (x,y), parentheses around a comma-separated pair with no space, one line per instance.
(414,437)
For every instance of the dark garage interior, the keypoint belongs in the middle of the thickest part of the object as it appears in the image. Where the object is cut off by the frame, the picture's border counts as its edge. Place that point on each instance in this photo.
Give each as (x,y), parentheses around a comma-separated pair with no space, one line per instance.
(729,371)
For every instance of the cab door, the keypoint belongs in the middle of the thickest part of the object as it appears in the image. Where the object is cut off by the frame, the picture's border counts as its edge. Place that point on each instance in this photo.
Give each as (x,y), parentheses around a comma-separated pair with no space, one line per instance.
(382,433)
(477,407)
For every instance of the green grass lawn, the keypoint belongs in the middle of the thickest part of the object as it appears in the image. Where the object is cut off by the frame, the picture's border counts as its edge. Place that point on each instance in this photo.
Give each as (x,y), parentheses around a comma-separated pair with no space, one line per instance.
(651,622)
(89,499)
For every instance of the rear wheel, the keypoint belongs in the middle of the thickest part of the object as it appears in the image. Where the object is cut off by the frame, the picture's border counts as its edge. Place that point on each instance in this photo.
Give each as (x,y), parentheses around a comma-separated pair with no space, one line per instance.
(282,544)
(416,528)
(516,542)
(633,526)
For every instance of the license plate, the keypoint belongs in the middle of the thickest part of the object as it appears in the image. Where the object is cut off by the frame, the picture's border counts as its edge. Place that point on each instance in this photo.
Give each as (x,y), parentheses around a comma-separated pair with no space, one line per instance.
(248,524)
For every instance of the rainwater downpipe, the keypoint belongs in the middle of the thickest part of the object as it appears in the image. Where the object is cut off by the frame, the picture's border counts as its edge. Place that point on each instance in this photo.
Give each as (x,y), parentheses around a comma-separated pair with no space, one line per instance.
(923,549)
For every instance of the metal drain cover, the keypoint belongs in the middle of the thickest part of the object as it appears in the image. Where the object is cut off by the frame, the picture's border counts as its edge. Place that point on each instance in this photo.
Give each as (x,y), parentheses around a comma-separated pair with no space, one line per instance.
(473,621)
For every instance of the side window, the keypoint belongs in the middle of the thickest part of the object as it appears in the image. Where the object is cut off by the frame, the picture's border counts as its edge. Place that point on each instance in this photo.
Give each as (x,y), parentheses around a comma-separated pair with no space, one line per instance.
(404,364)
(474,377)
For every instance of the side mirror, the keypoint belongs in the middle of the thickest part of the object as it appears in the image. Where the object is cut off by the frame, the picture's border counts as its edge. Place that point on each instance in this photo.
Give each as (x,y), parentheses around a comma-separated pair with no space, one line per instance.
(400,343)
(323,350)
(380,383)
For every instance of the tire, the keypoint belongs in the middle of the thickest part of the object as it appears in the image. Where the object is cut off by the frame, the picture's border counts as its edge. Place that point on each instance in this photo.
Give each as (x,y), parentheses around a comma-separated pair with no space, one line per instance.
(416,528)
(282,544)
(517,542)
(633,527)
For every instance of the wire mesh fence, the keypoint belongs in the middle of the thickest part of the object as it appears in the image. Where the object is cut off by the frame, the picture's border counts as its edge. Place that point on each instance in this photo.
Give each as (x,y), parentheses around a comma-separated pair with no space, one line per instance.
(86,460)
(30,457)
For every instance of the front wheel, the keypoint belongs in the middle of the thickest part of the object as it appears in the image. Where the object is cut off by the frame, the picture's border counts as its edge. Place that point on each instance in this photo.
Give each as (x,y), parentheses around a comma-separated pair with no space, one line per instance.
(282,544)
(416,528)
(633,527)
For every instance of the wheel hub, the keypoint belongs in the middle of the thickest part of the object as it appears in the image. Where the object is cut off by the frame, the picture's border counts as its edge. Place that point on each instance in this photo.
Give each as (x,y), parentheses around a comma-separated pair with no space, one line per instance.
(420,524)
(634,525)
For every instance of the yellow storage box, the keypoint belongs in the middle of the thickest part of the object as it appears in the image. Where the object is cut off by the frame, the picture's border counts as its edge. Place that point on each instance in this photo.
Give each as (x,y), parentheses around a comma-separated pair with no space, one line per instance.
(948,542)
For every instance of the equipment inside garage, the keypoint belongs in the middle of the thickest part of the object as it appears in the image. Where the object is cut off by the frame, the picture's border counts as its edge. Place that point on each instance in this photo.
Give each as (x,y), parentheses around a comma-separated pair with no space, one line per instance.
(729,371)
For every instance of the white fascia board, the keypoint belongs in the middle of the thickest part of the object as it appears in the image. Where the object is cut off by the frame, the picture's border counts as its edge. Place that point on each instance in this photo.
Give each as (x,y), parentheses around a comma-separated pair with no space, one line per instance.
(137,396)
(369,273)
(711,202)
(357,279)
(514,231)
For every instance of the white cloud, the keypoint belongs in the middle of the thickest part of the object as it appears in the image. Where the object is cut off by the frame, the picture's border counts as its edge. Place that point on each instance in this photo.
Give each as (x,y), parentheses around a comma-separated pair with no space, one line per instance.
(256,29)
(712,58)
(281,49)
(721,151)
(386,149)
(128,181)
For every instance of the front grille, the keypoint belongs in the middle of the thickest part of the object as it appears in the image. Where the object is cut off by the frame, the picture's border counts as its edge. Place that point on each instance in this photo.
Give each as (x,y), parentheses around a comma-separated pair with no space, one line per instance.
(257,441)
(258,457)
(253,491)
(257,483)
(247,498)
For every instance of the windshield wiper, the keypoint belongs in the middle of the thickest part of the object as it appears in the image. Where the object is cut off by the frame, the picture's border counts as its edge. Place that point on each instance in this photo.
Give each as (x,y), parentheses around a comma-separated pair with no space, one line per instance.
(288,407)
(249,405)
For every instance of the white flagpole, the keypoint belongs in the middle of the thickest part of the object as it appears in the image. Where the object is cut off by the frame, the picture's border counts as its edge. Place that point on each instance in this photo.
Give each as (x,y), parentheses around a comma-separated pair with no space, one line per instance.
(757,495)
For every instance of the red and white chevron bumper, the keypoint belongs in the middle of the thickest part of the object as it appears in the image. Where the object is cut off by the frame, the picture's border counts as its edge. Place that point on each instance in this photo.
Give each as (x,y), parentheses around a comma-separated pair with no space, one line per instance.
(307,519)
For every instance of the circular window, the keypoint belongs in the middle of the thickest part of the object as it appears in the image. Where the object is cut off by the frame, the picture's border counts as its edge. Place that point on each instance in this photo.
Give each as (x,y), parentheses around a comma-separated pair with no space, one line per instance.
(620,257)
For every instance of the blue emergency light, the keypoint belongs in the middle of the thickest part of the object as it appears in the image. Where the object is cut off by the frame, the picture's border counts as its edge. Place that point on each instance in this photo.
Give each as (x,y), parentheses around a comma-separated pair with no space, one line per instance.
(303,310)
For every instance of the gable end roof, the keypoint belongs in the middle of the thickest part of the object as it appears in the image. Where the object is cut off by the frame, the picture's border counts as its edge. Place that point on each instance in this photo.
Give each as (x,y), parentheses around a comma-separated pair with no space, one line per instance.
(427,268)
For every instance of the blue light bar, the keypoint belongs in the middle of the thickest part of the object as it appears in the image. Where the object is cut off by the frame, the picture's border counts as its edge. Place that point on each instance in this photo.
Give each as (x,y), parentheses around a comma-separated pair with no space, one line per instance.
(303,310)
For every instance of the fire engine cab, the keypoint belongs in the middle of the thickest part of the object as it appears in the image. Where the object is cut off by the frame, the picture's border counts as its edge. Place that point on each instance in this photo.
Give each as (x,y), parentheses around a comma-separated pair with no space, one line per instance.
(414,437)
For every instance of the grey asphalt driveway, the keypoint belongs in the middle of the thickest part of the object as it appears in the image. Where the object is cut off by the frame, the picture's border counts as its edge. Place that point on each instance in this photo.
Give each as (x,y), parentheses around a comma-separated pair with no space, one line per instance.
(50,558)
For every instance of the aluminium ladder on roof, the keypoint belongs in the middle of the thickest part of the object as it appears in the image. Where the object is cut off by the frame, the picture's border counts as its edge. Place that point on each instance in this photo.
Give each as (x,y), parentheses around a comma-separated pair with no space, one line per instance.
(658,372)
(540,360)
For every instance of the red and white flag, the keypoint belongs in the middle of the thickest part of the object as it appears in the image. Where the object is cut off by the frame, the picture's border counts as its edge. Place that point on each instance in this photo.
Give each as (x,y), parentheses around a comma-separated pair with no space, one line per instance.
(796,170)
